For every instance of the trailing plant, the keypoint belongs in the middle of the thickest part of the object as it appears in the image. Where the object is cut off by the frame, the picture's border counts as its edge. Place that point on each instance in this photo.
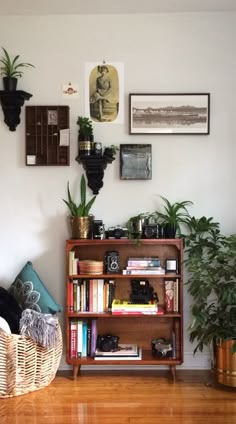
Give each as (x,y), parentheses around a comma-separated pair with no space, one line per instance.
(134,225)
(83,208)
(11,68)
(211,267)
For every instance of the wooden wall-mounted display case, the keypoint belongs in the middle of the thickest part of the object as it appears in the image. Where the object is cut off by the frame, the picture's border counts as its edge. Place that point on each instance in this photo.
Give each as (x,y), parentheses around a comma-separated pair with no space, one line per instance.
(47,135)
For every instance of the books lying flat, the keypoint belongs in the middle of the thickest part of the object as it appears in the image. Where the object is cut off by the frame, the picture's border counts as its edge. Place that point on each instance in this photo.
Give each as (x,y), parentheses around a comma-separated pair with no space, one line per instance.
(124,349)
(144,271)
(121,305)
(114,356)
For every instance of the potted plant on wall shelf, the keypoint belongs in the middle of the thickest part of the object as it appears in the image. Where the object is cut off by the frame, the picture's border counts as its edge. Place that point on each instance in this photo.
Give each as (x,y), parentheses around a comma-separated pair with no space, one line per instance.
(80,220)
(85,136)
(211,266)
(173,216)
(11,70)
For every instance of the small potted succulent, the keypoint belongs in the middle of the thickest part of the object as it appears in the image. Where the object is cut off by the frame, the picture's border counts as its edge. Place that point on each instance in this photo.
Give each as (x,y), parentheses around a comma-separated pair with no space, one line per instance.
(80,219)
(11,69)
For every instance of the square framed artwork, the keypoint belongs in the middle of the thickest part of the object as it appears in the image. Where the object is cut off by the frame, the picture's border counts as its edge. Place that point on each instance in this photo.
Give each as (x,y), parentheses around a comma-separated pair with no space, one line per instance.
(169,113)
(135,162)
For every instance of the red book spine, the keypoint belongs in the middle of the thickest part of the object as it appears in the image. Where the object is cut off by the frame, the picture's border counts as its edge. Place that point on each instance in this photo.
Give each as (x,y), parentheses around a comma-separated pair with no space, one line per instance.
(73,339)
(70,296)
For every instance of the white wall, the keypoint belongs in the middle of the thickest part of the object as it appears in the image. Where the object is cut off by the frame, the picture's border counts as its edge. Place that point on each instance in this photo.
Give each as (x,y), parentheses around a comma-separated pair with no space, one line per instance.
(161,53)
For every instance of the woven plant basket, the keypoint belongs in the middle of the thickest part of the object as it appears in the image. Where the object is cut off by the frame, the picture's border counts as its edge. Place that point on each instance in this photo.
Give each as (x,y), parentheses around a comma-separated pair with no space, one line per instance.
(25,366)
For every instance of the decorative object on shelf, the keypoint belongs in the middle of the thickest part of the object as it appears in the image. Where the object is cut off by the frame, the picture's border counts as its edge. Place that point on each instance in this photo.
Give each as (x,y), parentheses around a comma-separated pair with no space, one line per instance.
(85,137)
(110,151)
(47,138)
(11,70)
(211,265)
(171,113)
(173,216)
(80,220)
(94,167)
(11,102)
(135,161)
(112,262)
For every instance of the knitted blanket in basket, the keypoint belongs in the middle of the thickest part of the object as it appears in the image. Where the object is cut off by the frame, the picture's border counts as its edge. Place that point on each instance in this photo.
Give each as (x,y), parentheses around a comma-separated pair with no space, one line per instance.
(42,328)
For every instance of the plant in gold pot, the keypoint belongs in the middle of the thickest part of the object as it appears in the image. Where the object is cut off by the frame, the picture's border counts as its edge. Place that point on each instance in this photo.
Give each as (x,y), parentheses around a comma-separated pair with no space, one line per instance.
(211,266)
(79,213)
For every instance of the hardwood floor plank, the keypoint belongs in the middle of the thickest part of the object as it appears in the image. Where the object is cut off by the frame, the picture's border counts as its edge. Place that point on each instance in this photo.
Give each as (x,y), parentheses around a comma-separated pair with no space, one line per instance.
(124,397)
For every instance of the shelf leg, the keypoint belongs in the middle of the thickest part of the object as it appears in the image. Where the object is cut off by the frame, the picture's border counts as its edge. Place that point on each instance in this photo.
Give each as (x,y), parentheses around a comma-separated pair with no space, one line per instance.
(173,372)
(76,368)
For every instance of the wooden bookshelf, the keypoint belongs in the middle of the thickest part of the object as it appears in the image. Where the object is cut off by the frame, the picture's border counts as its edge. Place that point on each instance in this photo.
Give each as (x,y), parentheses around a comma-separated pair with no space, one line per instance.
(137,329)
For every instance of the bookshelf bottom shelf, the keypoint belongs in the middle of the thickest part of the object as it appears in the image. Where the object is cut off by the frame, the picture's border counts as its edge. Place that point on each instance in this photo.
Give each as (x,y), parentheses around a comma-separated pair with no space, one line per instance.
(147,359)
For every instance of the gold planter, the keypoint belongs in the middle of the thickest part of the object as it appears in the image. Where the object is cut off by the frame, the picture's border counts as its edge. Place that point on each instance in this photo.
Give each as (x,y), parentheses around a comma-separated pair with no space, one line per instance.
(225,367)
(80,227)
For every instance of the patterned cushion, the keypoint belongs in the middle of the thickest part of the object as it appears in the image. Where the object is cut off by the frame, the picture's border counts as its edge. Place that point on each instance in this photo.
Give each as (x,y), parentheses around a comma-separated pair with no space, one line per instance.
(30,292)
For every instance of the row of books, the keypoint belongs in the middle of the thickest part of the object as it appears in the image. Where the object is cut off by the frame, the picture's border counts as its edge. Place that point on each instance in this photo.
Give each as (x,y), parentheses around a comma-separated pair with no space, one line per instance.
(90,295)
(83,338)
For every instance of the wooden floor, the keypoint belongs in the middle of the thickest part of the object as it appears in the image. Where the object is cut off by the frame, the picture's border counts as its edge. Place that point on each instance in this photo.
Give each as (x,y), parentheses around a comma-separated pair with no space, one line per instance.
(124,397)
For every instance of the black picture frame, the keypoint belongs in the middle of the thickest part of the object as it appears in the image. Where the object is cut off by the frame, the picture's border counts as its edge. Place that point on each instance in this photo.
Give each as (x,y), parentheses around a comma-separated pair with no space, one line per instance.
(135,162)
(169,113)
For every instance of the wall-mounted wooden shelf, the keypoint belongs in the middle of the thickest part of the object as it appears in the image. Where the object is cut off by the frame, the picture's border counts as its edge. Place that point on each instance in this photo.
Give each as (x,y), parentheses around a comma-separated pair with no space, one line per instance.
(94,167)
(11,102)
(47,135)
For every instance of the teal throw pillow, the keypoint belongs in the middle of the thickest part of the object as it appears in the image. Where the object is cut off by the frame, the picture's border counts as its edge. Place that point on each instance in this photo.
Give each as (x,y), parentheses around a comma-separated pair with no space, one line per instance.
(30,292)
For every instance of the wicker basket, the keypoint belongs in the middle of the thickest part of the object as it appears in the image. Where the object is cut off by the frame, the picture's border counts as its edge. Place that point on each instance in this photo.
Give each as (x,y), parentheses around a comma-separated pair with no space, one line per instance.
(26,366)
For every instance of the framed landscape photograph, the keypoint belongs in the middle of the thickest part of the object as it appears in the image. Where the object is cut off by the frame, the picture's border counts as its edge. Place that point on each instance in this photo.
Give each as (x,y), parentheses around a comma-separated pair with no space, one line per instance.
(135,161)
(169,113)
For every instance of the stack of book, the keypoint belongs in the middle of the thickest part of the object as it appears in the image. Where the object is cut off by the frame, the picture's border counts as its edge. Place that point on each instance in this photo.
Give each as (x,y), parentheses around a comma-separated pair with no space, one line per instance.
(120,307)
(124,351)
(143,266)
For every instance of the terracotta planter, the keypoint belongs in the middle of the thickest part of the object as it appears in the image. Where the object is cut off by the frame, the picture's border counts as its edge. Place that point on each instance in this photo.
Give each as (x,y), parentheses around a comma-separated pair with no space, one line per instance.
(225,365)
(80,227)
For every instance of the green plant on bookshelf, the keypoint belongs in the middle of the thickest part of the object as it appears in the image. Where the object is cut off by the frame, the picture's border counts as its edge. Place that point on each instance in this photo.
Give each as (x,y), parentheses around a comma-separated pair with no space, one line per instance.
(173,216)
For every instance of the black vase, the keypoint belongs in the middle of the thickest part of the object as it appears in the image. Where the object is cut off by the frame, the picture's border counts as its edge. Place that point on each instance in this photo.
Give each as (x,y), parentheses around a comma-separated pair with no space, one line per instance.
(169,231)
(9,83)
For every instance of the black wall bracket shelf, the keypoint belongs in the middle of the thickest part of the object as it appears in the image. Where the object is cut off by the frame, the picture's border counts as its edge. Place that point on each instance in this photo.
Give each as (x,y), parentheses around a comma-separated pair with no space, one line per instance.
(94,167)
(11,102)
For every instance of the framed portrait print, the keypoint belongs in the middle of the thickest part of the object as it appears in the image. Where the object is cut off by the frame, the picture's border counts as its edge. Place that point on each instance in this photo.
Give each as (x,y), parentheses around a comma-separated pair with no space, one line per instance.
(135,162)
(169,113)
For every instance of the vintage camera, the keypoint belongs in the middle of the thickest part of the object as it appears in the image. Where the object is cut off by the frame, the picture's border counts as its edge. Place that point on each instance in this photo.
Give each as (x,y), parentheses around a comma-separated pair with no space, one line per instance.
(152,231)
(161,348)
(107,343)
(112,262)
(142,292)
(98,229)
(117,232)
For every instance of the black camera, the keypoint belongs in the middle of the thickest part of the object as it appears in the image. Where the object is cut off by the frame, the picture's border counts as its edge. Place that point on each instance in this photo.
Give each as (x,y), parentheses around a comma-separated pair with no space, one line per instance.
(112,262)
(98,229)
(142,292)
(152,231)
(117,232)
(107,343)
(161,348)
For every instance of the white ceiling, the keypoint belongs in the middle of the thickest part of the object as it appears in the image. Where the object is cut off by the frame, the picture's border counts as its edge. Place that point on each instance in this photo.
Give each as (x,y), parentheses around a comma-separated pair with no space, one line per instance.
(71,7)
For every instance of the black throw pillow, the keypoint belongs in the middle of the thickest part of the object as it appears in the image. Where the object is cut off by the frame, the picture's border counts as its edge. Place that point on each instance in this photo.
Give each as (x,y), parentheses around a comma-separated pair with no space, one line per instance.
(10,310)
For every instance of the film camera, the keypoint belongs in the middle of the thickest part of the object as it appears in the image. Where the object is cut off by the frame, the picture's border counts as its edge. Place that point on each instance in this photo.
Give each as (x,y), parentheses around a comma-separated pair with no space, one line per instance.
(107,343)
(117,232)
(98,229)
(142,292)
(112,262)
(152,230)
(161,348)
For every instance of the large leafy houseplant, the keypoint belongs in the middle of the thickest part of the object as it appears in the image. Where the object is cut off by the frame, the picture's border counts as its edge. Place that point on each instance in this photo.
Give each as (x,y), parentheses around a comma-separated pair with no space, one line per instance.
(173,215)
(211,267)
(81,209)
